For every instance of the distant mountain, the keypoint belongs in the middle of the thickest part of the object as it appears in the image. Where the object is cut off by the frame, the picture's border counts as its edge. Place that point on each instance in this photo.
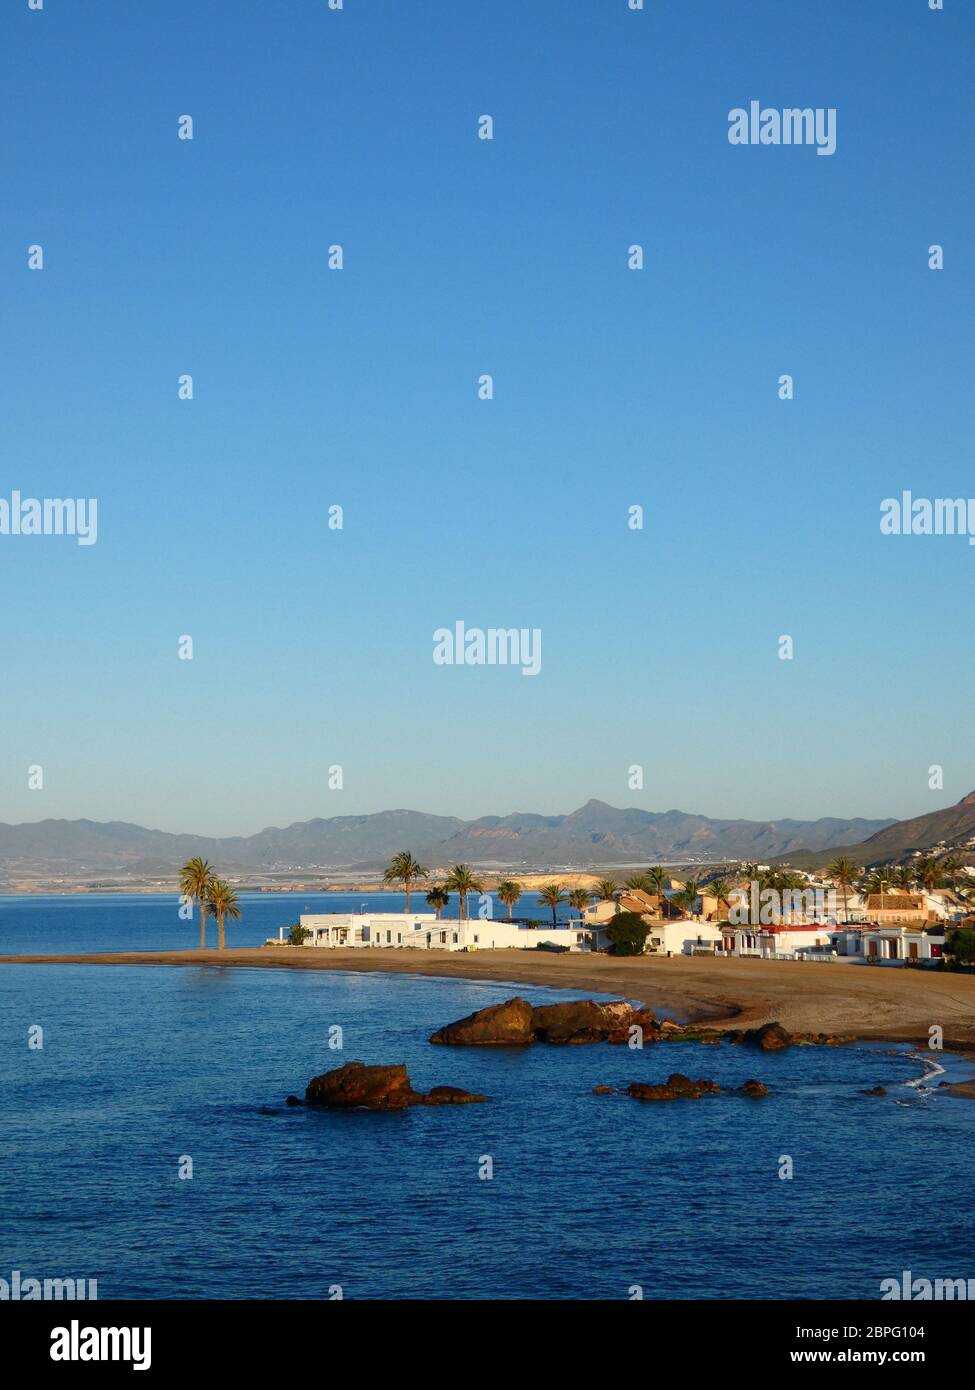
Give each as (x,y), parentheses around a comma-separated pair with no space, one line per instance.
(953,826)
(594,834)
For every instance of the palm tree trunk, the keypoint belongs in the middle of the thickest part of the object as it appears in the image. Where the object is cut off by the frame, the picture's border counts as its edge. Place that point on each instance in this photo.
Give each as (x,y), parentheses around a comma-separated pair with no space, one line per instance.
(406,885)
(203,925)
(220,931)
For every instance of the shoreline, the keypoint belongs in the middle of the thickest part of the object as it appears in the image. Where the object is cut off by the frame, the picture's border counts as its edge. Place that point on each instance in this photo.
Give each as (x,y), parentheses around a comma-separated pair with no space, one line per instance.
(843,1000)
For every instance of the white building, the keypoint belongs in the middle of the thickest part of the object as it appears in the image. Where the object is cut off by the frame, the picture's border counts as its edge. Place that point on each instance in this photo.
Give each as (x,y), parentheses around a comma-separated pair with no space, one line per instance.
(421,931)
(779,943)
(895,944)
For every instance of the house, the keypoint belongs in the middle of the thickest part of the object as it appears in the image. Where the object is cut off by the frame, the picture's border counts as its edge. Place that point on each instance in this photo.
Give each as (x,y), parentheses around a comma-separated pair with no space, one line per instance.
(777,942)
(882,909)
(422,931)
(897,944)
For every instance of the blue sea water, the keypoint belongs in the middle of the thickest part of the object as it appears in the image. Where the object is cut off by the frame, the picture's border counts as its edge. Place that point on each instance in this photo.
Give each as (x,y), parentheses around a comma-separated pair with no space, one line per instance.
(590,1195)
(53,925)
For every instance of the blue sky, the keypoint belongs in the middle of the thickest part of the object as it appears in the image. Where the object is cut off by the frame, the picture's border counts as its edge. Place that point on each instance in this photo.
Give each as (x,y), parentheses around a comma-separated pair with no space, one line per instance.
(612,387)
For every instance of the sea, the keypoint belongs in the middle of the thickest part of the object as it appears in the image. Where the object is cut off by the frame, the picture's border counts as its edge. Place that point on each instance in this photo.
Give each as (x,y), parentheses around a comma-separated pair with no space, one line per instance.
(146,1144)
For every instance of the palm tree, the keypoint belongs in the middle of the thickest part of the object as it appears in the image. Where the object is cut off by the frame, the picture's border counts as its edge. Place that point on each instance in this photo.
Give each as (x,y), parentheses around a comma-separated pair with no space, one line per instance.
(904,877)
(639,881)
(551,895)
(195,878)
(221,903)
(718,890)
(403,868)
(438,898)
(950,867)
(929,873)
(657,875)
(844,871)
(462,880)
(509,892)
(580,898)
(606,890)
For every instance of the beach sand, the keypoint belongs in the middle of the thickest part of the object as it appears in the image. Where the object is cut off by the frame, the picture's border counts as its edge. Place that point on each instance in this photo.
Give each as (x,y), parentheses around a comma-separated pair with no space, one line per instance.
(840,999)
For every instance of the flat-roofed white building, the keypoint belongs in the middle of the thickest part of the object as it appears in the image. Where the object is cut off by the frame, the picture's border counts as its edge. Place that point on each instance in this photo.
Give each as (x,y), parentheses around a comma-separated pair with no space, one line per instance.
(422,931)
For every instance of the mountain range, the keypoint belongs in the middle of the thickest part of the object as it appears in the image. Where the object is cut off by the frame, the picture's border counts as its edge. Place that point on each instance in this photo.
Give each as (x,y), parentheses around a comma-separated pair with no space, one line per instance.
(955,826)
(595,834)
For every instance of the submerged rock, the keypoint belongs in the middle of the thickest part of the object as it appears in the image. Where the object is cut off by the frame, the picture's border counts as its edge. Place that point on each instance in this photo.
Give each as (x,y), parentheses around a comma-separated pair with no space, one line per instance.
(876,1091)
(604,1090)
(515,1023)
(755,1089)
(451,1095)
(356,1086)
(676,1087)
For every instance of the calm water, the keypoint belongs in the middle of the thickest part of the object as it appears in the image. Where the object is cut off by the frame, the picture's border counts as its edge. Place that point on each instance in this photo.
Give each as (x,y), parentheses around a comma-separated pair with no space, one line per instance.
(590,1195)
(151,922)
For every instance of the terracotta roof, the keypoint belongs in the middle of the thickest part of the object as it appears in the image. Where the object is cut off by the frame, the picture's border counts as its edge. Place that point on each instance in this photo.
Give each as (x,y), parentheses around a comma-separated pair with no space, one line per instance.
(895,902)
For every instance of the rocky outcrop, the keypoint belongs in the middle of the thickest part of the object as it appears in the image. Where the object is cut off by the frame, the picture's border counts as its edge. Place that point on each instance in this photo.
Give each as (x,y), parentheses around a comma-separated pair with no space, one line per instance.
(356,1086)
(755,1089)
(499,1025)
(676,1087)
(515,1023)
(771,1037)
(584,1021)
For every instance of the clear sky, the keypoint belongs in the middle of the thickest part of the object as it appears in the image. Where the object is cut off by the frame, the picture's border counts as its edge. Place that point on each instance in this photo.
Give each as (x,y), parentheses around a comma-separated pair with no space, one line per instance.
(313,647)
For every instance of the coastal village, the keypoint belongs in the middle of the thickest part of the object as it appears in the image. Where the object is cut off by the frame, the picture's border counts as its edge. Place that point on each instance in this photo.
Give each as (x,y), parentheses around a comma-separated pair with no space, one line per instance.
(919,914)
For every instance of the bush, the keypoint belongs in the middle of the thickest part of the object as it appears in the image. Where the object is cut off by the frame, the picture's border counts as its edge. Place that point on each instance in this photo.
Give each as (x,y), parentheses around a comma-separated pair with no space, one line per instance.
(960,946)
(628,934)
(297,934)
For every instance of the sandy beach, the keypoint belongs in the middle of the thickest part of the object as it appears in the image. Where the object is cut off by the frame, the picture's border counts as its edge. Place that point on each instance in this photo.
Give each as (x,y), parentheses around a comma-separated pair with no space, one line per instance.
(840,999)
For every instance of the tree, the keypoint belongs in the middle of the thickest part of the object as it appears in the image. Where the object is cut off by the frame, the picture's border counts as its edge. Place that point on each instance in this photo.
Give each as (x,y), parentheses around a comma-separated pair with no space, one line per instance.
(844,871)
(628,934)
(641,882)
(551,895)
(222,902)
(462,880)
(438,898)
(657,875)
(904,877)
(297,935)
(606,890)
(403,868)
(929,873)
(718,890)
(194,882)
(509,892)
(580,898)
(960,946)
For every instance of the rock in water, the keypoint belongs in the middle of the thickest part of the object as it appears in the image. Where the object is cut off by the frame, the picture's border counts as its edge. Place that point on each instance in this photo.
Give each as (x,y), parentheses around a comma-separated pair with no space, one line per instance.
(755,1089)
(451,1095)
(359,1087)
(876,1091)
(355,1084)
(515,1023)
(583,1021)
(770,1038)
(508,1024)
(676,1087)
